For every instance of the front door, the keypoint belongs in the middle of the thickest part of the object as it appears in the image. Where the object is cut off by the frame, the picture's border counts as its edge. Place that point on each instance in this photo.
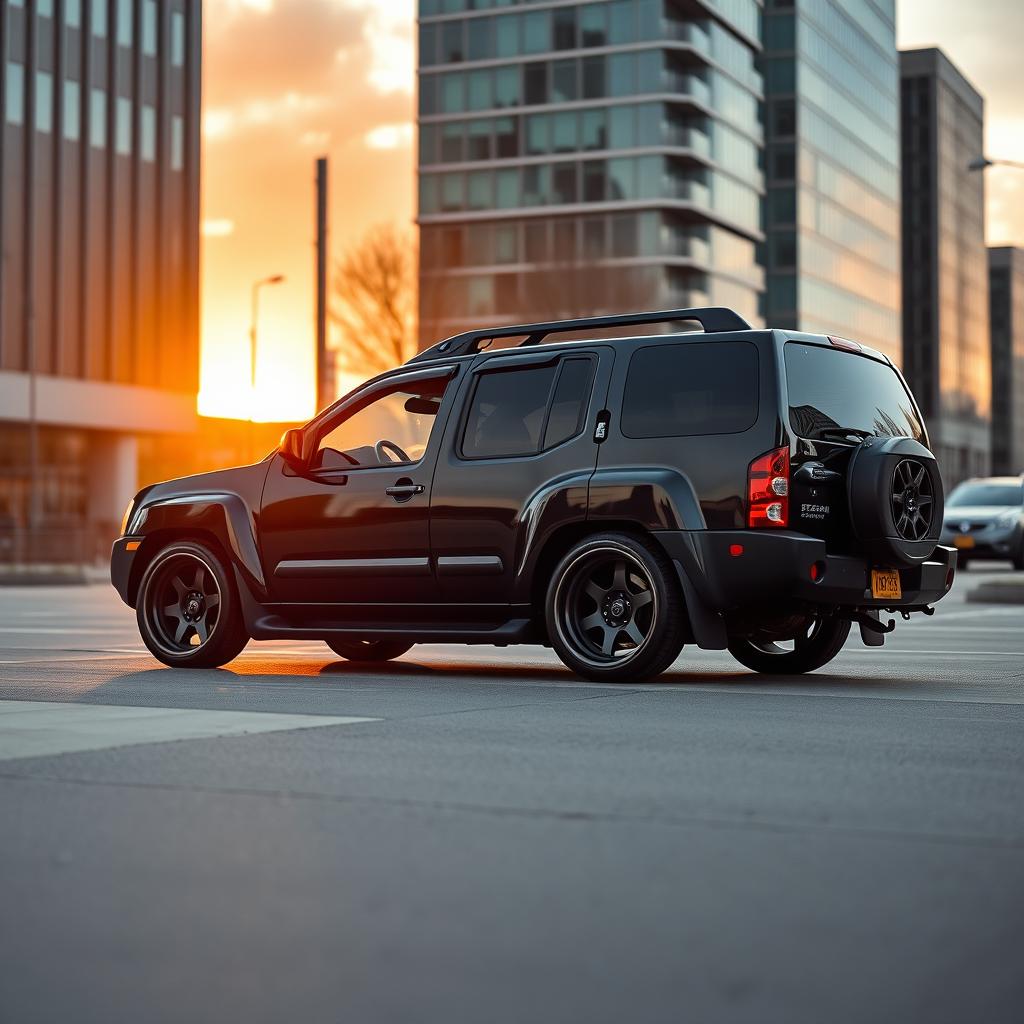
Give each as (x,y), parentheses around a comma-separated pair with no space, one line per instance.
(352,528)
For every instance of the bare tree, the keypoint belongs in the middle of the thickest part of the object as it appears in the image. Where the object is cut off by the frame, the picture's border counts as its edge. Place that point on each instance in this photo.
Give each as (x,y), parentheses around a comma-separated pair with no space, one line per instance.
(373,301)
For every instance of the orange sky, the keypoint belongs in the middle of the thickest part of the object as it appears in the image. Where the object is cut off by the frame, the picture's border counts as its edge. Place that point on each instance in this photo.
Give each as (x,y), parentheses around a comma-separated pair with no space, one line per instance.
(288,80)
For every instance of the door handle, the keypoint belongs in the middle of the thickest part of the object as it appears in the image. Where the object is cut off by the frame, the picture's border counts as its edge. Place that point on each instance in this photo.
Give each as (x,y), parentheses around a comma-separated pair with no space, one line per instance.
(403,492)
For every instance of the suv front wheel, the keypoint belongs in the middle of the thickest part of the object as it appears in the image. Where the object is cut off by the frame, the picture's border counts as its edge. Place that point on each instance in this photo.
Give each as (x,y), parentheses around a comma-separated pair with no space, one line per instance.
(614,610)
(817,646)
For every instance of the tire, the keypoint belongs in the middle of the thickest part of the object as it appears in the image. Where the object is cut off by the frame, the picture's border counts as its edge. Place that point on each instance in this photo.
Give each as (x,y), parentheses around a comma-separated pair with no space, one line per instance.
(614,610)
(188,610)
(824,641)
(369,650)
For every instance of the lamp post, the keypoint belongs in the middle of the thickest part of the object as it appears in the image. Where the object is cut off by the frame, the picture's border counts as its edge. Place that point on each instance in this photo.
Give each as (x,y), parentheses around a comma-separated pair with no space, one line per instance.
(253,350)
(979,163)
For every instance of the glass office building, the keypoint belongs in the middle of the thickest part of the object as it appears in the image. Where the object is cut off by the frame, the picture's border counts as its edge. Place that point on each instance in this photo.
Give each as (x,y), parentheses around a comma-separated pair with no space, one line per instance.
(832,208)
(99,285)
(1006,309)
(586,158)
(946,341)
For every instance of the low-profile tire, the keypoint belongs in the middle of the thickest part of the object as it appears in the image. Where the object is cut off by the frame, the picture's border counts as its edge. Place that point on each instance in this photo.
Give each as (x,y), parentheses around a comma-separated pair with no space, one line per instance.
(369,650)
(614,609)
(824,640)
(188,610)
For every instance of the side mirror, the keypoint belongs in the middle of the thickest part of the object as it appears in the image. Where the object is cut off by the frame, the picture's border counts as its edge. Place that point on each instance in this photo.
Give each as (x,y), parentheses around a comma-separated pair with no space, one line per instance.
(291,448)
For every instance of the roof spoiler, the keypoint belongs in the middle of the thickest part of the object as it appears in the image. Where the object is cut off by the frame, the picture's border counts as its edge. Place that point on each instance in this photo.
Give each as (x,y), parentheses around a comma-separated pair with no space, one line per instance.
(713,319)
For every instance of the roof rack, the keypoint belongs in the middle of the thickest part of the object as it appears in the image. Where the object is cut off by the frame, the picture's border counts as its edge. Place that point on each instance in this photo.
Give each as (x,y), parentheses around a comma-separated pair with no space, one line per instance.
(713,319)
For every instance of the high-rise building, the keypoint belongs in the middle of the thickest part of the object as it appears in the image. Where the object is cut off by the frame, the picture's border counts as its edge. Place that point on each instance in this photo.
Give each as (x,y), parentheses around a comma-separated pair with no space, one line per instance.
(99,286)
(1006,307)
(587,157)
(946,342)
(832,216)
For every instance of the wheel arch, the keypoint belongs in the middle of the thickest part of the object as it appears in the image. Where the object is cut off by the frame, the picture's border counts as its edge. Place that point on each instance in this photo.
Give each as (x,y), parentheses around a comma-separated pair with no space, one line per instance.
(558,543)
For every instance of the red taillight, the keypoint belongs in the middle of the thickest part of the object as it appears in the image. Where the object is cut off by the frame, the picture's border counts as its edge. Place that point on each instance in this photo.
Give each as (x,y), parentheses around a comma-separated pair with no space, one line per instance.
(768,489)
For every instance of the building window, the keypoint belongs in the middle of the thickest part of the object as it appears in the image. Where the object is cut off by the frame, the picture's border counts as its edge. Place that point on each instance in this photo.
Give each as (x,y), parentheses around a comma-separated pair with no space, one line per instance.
(565,28)
(98,118)
(72,110)
(44,101)
(73,13)
(15,94)
(594,25)
(148,141)
(123,142)
(99,18)
(177,143)
(124,22)
(44,8)
(149,28)
(178,39)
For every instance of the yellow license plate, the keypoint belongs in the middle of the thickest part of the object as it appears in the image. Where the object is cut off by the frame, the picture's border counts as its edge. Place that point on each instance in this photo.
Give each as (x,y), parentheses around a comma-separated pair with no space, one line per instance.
(963,542)
(885,584)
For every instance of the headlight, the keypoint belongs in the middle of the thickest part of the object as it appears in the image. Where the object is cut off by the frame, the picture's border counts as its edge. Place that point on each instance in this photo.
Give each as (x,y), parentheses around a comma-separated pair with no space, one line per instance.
(1007,518)
(127,516)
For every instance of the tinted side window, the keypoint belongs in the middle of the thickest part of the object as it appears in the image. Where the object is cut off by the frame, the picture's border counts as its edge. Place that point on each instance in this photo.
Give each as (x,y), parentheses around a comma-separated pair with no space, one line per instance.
(569,406)
(689,388)
(506,415)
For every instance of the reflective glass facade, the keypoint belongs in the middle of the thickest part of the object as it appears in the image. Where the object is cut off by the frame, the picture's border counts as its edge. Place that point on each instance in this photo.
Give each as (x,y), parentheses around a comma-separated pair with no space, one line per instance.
(1006,306)
(587,158)
(946,343)
(831,212)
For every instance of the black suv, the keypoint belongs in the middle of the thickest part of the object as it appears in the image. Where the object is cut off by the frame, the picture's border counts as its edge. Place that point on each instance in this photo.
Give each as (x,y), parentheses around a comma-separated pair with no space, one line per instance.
(740,489)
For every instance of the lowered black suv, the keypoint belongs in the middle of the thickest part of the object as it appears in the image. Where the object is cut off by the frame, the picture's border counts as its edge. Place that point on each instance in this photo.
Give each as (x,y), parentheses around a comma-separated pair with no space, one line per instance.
(749,490)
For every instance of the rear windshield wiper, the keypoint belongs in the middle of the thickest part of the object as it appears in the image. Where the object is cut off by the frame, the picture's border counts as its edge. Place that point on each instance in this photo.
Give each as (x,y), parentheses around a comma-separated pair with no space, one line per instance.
(842,433)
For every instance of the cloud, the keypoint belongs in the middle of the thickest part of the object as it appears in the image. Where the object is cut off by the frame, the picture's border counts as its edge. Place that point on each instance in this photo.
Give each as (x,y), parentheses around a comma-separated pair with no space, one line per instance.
(390,136)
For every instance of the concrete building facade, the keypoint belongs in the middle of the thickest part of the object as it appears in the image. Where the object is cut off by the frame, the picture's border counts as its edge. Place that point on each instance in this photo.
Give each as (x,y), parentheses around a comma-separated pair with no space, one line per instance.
(1006,312)
(587,157)
(99,282)
(832,208)
(946,341)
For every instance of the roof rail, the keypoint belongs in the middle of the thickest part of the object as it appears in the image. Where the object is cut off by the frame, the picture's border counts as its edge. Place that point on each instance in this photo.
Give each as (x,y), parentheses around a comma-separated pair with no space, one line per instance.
(713,319)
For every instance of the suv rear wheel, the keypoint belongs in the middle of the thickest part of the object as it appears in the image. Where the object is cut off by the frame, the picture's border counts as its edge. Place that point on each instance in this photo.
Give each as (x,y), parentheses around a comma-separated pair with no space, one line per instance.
(614,610)
(368,650)
(187,609)
(822,641)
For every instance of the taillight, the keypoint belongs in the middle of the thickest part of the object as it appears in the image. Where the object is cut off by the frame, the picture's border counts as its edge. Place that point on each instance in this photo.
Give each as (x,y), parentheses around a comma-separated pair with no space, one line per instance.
(768,489)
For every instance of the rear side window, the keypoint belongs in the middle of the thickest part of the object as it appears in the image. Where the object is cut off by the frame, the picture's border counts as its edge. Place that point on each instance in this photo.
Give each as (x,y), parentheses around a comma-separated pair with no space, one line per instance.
(689,388)
(524,411)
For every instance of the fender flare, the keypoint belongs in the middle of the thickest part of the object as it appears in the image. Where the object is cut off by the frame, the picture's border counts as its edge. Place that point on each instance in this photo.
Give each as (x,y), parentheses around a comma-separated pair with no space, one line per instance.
(223,514)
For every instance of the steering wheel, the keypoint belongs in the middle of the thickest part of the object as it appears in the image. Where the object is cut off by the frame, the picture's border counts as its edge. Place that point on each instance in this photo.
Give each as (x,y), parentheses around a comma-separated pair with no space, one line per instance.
(384,445)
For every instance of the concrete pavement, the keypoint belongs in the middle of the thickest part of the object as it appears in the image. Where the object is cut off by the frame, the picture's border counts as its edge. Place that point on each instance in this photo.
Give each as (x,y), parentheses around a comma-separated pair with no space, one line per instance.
(507,843)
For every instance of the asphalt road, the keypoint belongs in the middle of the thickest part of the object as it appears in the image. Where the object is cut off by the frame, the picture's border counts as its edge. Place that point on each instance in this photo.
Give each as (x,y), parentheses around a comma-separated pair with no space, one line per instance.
(475,835)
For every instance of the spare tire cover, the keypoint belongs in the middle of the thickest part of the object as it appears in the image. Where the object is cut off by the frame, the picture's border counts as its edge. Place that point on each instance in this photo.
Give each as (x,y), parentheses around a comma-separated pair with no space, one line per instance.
(896,499)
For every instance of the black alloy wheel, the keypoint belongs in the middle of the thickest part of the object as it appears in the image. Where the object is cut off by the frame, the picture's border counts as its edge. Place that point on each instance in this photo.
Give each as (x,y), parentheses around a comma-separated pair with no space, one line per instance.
(614,611)
(368,651)
(187,610)
(913,500)
(821,639)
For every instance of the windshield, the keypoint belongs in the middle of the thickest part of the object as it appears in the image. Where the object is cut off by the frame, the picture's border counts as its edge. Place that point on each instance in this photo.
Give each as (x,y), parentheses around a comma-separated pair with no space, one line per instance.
(1010,495)
(831,389)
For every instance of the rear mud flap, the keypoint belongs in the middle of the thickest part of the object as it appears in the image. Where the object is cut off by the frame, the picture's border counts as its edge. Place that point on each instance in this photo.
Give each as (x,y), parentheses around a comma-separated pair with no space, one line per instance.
(708,627)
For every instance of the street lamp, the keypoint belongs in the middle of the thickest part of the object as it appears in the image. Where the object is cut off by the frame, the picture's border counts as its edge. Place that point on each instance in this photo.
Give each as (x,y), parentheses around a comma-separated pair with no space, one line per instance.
(979,163)
(253,324)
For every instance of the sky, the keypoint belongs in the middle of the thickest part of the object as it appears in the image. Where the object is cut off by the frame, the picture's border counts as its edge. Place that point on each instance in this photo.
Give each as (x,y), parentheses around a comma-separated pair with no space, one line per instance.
(285,81)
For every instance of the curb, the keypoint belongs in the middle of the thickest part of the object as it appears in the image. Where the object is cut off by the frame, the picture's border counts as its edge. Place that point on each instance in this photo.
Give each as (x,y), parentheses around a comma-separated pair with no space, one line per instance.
(1001,592)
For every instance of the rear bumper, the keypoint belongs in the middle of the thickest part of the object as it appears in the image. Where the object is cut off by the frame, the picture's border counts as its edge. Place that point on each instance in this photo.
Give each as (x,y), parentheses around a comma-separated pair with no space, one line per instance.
(991,542)
(734,569)
(122,560)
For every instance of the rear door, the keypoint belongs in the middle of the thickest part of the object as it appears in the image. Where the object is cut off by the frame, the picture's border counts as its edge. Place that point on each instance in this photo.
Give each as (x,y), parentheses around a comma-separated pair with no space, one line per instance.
(526,428)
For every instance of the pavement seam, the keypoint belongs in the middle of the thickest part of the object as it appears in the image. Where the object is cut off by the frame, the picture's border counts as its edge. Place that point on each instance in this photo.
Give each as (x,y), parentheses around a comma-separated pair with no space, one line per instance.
(587,817)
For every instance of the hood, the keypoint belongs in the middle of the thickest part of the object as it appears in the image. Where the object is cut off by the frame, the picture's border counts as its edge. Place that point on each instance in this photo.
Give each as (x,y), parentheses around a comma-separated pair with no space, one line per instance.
(245,481)
(976,513)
